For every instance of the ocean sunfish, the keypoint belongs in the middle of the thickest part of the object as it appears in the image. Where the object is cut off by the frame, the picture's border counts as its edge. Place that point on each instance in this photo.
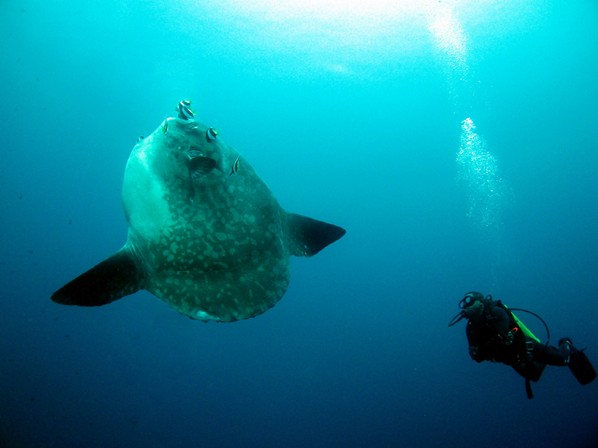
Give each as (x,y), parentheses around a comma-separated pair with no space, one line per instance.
(206,235)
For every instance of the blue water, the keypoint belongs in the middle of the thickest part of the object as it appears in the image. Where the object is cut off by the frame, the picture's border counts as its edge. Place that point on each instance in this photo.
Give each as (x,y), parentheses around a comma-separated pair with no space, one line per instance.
(457,142)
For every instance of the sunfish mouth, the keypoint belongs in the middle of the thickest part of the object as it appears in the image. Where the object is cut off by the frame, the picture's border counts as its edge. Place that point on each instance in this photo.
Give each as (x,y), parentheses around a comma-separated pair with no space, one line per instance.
(201,164)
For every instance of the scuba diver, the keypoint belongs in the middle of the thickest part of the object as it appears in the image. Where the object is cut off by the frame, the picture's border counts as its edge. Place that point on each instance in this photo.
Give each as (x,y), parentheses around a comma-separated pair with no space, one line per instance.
(495,334)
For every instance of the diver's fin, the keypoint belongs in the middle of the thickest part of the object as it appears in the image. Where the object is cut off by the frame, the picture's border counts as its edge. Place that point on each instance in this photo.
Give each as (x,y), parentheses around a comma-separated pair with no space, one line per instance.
(309,236)
(581,367)
(113,278)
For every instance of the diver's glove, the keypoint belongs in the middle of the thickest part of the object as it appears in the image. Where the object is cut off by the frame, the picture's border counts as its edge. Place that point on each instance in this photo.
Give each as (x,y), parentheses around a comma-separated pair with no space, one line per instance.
(509,338)
(474,352)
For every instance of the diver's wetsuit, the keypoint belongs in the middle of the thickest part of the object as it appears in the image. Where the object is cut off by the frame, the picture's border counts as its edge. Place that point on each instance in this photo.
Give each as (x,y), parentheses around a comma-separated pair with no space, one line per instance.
(492,337)
(495,334)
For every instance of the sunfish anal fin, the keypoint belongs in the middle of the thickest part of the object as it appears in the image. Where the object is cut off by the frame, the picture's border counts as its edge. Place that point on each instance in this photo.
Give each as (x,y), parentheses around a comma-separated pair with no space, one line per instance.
(113,278)
(309,236)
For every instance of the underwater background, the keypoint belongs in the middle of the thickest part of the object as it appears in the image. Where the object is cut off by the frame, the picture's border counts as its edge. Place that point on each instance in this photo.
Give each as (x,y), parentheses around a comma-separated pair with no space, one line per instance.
(457,142)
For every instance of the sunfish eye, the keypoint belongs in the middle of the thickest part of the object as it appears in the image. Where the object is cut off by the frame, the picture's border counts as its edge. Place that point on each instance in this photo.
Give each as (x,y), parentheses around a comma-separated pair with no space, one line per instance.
(211,134)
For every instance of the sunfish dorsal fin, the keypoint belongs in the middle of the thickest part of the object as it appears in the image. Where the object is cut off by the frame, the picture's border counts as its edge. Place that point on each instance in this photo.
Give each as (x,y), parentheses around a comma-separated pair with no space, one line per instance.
(113,278)
(309,236)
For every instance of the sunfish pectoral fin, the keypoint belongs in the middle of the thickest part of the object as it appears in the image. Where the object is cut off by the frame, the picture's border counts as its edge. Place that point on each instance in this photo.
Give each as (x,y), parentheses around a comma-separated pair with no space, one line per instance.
(113,278)
(309,236)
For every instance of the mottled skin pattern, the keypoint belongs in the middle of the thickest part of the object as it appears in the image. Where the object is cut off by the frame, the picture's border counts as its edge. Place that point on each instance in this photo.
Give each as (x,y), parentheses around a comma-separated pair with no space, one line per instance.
(210,243)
